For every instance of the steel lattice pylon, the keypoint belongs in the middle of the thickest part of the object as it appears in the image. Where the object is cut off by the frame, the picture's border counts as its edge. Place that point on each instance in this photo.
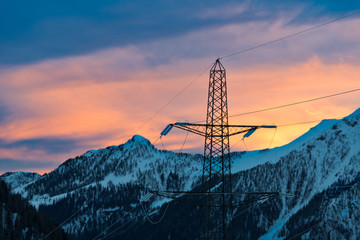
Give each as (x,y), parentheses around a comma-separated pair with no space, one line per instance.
(216,210)
(216,201)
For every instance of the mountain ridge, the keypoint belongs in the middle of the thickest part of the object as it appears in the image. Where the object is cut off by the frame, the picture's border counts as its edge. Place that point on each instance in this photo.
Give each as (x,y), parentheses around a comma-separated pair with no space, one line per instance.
(119,176)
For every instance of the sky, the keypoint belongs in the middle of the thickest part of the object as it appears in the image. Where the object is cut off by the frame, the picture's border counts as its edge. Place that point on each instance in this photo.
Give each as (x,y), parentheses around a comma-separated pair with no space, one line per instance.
(82,75)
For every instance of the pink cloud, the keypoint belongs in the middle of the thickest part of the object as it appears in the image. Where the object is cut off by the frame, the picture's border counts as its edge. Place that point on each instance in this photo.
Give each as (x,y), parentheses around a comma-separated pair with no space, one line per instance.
(118,90)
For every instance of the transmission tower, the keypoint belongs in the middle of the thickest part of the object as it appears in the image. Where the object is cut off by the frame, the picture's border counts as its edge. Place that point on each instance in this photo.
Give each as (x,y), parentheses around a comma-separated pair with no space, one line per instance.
(216,205)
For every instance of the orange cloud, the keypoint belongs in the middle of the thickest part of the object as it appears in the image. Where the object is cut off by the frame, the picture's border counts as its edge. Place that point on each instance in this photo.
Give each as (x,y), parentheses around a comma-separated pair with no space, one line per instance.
(90,108)
(117,91)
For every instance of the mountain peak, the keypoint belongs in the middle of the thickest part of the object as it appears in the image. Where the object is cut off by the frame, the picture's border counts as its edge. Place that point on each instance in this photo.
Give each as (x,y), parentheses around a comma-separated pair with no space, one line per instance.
(139,139)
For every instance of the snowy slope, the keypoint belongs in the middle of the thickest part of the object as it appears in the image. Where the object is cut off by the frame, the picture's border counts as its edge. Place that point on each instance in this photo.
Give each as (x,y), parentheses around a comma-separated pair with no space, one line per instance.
(16,179)
(105,185)
(246,160)
(326,156)
(307,170)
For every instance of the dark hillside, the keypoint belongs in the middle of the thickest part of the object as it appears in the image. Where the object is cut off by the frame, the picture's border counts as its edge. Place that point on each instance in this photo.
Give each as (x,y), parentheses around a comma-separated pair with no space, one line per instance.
(20,220)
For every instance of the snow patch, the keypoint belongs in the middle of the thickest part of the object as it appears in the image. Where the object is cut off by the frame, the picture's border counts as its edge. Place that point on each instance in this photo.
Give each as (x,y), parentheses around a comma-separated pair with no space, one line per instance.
(116,180)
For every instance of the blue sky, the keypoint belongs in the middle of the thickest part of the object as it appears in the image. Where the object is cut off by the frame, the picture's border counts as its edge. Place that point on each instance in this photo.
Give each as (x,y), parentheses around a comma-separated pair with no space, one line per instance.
(81,75)
(37,30)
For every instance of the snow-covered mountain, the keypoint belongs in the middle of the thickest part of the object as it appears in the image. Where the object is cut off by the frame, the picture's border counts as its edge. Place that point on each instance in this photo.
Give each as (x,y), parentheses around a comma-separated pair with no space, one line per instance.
(103,185)
(20,220)
(320,174)
(16,179)
(317,176)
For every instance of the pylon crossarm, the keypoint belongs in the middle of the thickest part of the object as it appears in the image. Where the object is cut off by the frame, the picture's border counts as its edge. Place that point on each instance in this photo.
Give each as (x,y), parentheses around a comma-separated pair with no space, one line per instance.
(216,203)
(200,129)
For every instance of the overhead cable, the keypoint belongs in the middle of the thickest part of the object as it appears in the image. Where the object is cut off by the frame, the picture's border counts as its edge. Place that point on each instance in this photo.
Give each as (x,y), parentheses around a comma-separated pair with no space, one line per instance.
(291,35)
(306,230)
(114,224)
(172,99)
(239,52)
(62,223)
(296,103)
(187,133)
(131,219)
(148,218)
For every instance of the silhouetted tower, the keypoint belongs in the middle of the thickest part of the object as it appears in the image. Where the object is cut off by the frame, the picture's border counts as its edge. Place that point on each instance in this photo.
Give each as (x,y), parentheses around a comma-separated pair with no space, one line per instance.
(216,212)
(216,205)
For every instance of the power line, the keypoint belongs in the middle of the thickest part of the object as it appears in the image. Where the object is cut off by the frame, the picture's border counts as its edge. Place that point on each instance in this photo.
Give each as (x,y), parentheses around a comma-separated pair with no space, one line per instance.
(172,99)
(273,137)
(232,146)
(232,218)
(304,231)
(187,133)
(237,215)
(62,223)
(156,140)
(163,193)
(282,125)
(263,217)
(148,218)
(114,224)
(246,50)
(299,123)
(279,126)
(230,55)
(289,105)
(296,103)
(162,144)
(131,219)
(245,144)
(290,35)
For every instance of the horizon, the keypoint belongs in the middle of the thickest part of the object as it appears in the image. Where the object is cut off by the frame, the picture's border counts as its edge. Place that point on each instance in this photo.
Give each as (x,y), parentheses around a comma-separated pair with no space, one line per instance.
(194,151)
(77,79)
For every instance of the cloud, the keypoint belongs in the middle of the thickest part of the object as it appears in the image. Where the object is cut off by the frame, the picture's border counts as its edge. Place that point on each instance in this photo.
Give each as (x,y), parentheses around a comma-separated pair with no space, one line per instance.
(48,145)
(7,165)
(44,153)
(333,44)
(46,30)
(4,112)
(59,108)
(55,145)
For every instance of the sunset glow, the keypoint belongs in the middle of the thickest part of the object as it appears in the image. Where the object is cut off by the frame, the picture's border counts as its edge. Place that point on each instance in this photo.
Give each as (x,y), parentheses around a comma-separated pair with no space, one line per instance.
(59,107)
